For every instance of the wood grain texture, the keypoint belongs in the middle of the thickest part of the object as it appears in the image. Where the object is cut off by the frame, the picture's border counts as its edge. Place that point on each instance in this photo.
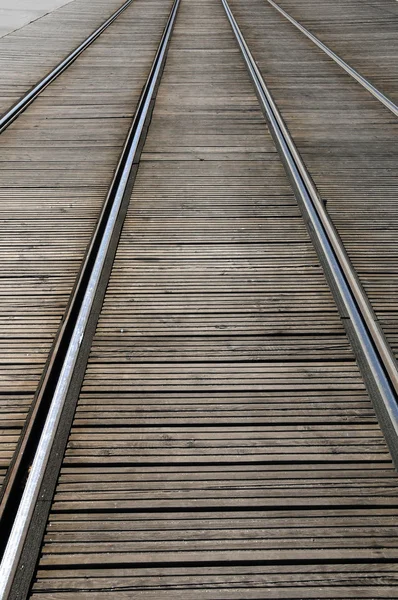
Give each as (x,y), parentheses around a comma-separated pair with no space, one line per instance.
(363,34)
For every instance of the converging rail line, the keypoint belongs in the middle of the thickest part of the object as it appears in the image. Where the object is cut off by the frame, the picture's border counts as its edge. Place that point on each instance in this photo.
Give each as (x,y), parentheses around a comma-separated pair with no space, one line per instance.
(206,422)
(58,160)
(32,94)
(357,76)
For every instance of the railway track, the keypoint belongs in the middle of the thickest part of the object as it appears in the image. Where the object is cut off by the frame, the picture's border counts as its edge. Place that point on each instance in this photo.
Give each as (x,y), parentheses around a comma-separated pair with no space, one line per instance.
(21,105)
(365,38)
(206,425)
(32,52)
(58,159)
(334,121)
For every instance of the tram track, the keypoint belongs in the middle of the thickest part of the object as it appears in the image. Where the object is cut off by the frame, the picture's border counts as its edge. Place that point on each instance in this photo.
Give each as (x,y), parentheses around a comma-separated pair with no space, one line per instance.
(55,169)
(71,345)
(31,53)
(334,122)
(379,367)
(337,59)
(58,159)
(364,34)
(10,115)
(192,244)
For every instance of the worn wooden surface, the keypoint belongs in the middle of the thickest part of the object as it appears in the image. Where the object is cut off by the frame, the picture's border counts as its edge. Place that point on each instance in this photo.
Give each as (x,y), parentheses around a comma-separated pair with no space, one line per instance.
(15,17)
(364,34)
(56,163)
(28,54)
(223,445)
(348,141)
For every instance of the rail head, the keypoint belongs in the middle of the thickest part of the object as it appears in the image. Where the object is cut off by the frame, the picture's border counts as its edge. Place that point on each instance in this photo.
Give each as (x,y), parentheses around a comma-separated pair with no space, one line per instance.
(376,360)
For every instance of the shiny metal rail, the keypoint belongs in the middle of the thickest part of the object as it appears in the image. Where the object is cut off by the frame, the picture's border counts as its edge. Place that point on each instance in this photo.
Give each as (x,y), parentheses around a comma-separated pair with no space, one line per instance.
(357,76)
(375,357)
(359,294)
(28,98)
(379,375)
(116,195)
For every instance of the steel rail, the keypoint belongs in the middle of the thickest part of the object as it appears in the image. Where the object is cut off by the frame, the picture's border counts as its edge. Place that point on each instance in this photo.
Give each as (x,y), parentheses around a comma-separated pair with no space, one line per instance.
(376,361)
(357,76)
(377,335)
(28,98)
(29,497)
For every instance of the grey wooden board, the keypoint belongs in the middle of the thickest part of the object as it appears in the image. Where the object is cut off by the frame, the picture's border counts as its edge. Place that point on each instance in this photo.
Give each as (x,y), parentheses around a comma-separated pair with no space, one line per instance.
(274,581)
(223,445)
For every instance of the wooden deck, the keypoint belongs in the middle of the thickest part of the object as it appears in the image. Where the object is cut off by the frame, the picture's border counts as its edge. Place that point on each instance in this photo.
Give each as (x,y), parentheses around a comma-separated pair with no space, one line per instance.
(28,54)
(224,444)
(56,164)
(346,137)
(364,34)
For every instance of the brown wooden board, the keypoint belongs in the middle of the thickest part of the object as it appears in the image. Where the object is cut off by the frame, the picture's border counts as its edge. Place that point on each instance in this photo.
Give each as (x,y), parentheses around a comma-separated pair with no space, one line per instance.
(363,34)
